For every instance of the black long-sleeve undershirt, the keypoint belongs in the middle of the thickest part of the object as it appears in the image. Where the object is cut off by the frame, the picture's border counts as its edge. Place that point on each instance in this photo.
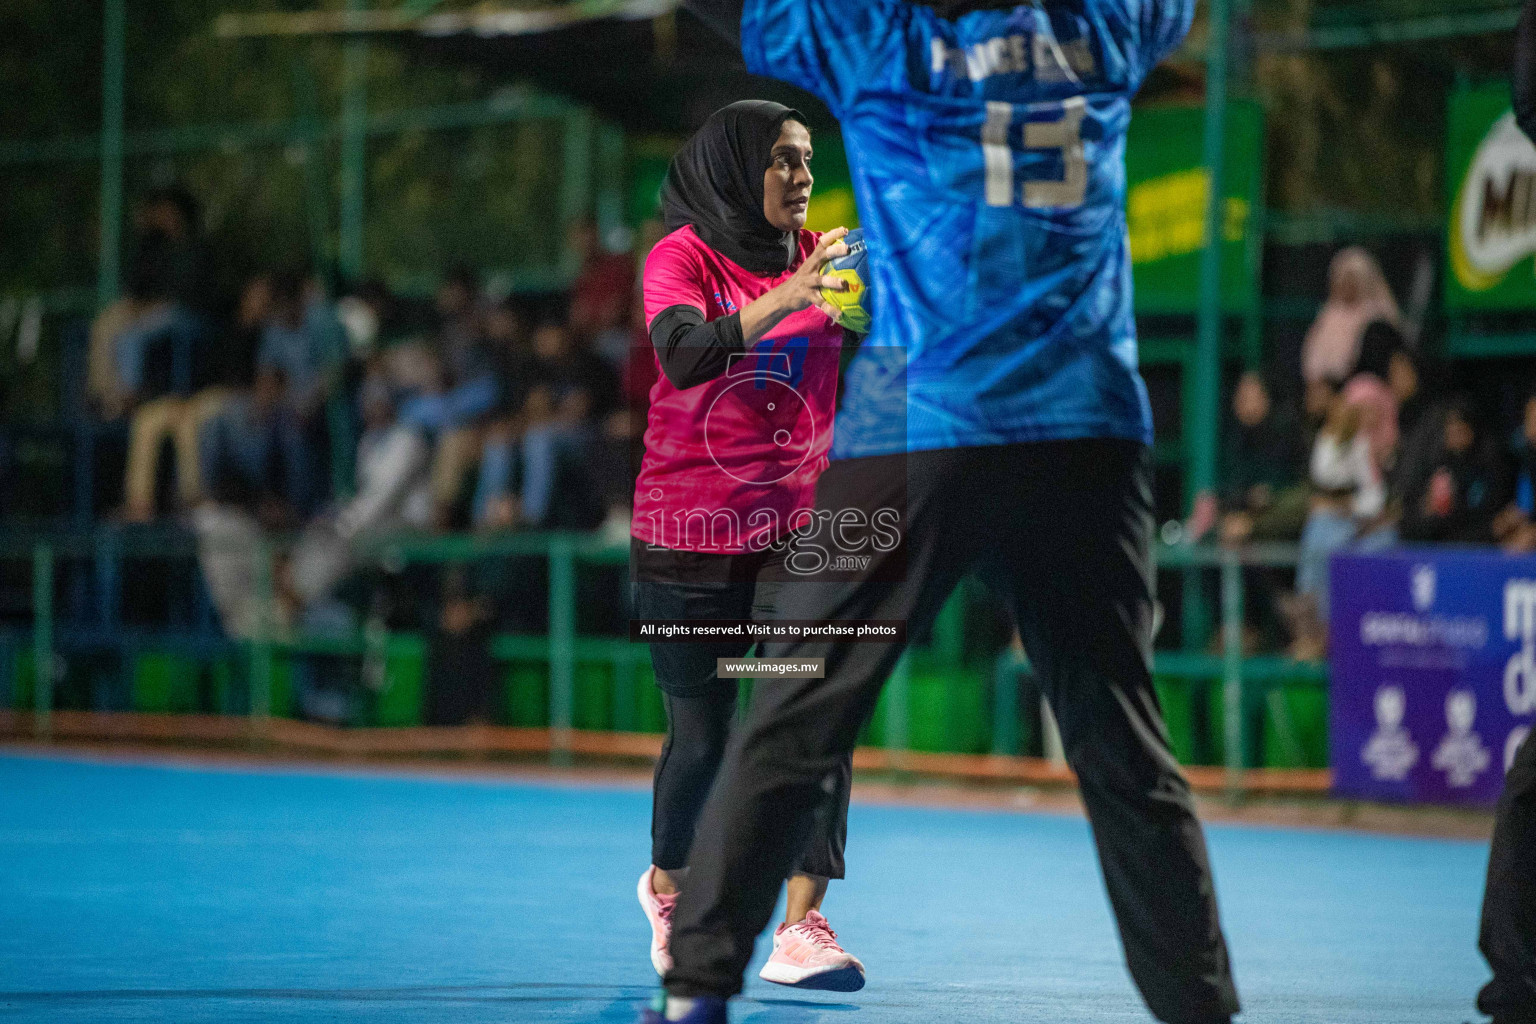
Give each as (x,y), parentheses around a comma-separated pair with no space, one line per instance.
(1525,70)
(691,351)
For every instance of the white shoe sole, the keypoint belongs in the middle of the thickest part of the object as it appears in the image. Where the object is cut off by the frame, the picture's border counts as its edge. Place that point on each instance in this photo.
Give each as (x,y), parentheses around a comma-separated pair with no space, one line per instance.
(847,978)
(660,959)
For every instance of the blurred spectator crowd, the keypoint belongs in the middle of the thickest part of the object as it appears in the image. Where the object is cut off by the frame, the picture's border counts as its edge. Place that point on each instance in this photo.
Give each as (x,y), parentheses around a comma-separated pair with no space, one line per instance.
(1375,453)
(326,417)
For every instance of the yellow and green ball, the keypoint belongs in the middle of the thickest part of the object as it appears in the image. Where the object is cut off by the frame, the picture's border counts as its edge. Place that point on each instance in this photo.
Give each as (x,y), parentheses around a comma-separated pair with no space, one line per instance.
(852,303)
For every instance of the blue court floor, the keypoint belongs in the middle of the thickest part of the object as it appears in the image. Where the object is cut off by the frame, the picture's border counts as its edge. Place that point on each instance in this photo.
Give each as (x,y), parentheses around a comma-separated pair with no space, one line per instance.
(167,894)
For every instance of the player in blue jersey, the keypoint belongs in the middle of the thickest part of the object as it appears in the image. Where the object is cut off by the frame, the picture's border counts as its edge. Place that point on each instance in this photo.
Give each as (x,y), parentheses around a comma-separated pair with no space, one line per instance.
(1507,932)
(996,411)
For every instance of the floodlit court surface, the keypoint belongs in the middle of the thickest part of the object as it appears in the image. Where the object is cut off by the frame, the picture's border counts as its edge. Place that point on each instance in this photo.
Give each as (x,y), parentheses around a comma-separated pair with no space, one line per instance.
(157,892)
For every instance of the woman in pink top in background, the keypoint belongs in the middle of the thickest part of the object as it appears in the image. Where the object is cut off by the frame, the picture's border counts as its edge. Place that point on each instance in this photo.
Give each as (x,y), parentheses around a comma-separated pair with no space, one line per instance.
(739,428)
(1358,295)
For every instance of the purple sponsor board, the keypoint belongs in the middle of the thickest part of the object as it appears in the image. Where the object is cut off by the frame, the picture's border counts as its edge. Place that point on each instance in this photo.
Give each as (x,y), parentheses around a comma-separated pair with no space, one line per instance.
(1433,673)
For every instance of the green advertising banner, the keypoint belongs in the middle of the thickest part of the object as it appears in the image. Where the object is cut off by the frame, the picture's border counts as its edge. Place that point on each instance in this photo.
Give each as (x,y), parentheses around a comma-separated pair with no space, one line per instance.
(832,204)
(648,162)
(1166,192)
(1491,229)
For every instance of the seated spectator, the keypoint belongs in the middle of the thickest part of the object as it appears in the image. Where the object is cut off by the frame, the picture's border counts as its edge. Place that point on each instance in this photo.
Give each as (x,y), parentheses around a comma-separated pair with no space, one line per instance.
(1515,526)
(161,358)
(304,341)
(462,394)
(105,394)
(1358,295)
(1316,402)
(1378,418)
(392,493)
(366,313)
(1405,376)
(1465,490)
(503,329)
(458,328)
(1348,501)
(1386,376)
(221,369)
(518,370)
(256,479)
(232,363)
(126,333)
(602,294)
(1379,342)
(1207,511)
(1263,496)
(452,415)
(170,216)
(1385,355)
(254,456)
(554,448)
(1420,416)
(228,545)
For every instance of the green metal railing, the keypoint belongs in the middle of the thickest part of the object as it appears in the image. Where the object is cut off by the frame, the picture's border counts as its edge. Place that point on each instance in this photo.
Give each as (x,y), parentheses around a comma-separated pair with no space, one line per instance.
(1235,670)
(593,161)
(354,125)
(1242,679)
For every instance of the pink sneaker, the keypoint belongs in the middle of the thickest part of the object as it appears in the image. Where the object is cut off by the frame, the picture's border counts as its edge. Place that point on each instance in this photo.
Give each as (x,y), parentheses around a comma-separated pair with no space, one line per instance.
(658,911)
(806,955)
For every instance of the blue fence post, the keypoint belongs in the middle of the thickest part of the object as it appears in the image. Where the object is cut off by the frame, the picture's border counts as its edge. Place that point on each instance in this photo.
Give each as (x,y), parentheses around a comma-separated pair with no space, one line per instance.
(261,644)
(114,63)
(898,712)
(626,717)
(84,503)
(1234,711)
(1005,703)
(7,675)
(42,640)
(562,649)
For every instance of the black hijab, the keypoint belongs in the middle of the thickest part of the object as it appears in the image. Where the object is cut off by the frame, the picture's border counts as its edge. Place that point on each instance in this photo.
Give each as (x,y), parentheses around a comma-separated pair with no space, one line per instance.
(715,183)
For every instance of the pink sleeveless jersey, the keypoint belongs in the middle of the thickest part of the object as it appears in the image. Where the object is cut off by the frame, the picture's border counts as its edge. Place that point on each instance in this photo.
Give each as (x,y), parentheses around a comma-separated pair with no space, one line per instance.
(729,462)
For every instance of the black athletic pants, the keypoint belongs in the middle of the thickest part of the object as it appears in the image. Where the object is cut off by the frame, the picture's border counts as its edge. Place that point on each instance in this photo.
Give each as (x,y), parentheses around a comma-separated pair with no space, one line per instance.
(702,707)
(1063,530)
(1508,933)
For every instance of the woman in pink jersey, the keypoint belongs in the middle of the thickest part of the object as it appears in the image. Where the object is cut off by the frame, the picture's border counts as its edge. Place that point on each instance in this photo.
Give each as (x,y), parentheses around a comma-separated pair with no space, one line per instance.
(739,428)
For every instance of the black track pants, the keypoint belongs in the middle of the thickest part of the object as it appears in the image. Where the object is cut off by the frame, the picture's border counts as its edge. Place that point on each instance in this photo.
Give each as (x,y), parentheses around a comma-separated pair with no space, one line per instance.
(1064,530)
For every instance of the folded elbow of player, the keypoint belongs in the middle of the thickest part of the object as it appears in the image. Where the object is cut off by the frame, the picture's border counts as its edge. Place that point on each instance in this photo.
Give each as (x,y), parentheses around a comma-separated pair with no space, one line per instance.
(724,16)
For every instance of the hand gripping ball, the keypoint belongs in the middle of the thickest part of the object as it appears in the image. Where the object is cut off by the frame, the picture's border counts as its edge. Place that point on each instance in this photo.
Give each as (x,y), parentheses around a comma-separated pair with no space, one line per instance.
(853,303)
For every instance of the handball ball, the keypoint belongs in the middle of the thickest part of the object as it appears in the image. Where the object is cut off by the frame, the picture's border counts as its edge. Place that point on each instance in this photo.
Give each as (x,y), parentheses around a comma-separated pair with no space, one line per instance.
(853,303)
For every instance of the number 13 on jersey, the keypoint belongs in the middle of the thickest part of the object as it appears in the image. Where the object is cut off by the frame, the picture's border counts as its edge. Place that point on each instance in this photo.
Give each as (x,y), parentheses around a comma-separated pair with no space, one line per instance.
(1063,135)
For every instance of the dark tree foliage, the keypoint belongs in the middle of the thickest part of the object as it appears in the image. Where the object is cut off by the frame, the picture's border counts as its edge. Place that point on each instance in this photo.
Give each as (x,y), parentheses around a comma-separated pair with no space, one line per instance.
(480,195)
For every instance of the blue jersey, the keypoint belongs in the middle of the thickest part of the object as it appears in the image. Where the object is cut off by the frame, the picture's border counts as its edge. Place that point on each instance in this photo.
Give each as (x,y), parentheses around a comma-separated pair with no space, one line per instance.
(988,160)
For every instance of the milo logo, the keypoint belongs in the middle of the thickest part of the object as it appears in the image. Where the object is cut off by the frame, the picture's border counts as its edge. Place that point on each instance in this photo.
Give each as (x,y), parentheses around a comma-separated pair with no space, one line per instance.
(1495,215)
